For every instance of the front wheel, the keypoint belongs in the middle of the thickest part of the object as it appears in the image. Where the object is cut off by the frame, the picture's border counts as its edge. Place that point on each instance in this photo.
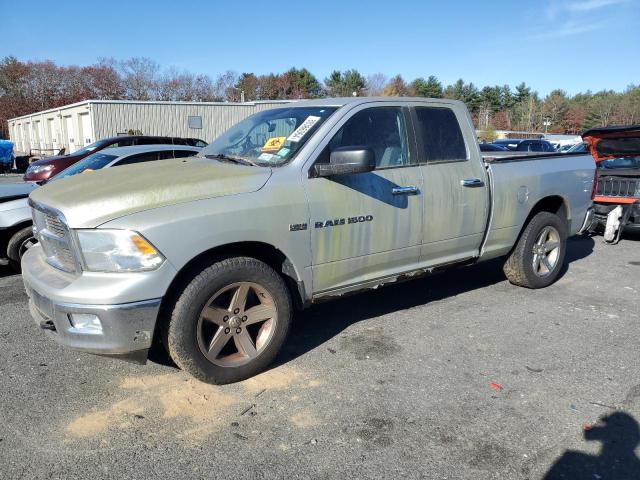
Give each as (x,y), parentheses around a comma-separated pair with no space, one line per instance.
(230,321)
(538,257)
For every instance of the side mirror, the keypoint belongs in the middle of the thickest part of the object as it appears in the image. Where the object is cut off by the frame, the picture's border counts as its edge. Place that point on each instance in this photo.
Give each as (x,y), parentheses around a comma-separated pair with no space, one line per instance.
(346,161)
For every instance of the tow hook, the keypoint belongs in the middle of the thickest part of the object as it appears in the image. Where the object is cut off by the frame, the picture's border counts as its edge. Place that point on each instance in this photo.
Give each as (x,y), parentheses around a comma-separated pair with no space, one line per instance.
(48,325)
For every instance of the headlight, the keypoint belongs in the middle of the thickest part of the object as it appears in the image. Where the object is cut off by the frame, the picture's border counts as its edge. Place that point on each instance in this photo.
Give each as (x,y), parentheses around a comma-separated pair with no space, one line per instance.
(39,168)
(117,251)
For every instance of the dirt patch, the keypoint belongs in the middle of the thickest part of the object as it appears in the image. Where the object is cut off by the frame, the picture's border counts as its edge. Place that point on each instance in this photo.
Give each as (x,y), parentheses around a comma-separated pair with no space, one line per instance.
(276,379)
(183,405)
(94,423)
(180,398)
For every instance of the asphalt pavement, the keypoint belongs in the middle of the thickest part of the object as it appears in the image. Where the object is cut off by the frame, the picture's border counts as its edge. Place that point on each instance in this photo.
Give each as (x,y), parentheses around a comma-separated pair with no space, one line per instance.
(459,375)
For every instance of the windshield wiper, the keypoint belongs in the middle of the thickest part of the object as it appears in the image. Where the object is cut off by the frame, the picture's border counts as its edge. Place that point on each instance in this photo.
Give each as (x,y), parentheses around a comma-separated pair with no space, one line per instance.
(227,158)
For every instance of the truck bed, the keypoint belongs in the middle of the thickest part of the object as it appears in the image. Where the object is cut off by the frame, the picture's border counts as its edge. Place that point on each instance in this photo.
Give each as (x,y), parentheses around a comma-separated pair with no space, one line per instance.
(519,182)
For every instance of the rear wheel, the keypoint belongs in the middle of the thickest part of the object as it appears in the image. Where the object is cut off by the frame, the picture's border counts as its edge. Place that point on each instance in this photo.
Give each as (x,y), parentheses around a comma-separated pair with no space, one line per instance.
(538,257)
(19,243)
(230,322)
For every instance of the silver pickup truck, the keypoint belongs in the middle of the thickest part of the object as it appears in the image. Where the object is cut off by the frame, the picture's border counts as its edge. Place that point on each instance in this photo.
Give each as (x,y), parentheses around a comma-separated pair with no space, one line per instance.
(210,255)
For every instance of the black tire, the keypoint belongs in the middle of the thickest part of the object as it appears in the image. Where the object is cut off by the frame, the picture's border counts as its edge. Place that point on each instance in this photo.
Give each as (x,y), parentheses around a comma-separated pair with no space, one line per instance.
(18,244)
(519,267)
(181,333)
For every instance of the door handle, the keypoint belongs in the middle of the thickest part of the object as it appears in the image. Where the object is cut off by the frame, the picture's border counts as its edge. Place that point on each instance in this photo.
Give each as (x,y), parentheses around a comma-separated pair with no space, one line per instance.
(408,190)
(472,182)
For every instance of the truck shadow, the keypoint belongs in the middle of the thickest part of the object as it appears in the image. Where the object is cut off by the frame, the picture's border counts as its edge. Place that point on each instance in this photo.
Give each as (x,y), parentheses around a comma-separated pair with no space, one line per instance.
(315,326)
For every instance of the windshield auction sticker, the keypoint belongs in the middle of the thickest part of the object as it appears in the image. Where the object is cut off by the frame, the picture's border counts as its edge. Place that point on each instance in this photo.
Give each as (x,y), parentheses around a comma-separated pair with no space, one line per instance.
(302,130)
(273,144)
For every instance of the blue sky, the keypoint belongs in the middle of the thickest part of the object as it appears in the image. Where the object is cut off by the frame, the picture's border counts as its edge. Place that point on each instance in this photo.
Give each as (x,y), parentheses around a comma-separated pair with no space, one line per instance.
(574,45)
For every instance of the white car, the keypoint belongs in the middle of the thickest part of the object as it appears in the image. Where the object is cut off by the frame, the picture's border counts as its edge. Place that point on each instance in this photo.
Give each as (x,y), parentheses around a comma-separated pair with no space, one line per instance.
(16,235)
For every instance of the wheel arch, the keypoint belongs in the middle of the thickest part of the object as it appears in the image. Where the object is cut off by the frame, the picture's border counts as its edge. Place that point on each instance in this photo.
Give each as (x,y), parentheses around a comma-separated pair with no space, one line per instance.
(555,204)
(262,251)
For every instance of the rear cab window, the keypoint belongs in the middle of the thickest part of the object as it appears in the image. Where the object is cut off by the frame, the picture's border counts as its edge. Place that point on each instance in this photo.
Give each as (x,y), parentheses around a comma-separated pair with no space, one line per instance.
(439,136)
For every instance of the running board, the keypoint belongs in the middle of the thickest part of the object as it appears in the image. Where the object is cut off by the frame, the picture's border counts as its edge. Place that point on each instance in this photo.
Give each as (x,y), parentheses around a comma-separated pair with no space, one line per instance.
(379,282)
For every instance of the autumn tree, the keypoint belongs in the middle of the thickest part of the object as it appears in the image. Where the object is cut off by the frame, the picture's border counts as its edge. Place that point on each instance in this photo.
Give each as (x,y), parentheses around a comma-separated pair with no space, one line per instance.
(299,83)
(396,87)
(249,84)
(574,118)
(268,87)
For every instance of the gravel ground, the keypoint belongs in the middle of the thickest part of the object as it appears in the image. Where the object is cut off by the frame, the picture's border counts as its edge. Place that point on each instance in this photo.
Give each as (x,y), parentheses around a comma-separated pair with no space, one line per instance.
(460,375)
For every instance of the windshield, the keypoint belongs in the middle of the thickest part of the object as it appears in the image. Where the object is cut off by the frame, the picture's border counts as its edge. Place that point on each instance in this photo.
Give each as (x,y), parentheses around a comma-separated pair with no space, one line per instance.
(622,162)
(271,137)
(579,147)
(91,147)
(87,164)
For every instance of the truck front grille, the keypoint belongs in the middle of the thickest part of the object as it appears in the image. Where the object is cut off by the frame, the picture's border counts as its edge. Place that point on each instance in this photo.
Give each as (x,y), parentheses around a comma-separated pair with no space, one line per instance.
(618,187)
(55,238)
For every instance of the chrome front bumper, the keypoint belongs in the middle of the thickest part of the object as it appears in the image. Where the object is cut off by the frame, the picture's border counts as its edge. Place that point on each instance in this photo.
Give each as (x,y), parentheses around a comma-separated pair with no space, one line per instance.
(127,328)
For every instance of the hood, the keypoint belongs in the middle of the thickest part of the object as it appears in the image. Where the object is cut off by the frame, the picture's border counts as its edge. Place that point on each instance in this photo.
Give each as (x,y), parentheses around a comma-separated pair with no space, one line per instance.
(93,198)
(13,191)
(610,142)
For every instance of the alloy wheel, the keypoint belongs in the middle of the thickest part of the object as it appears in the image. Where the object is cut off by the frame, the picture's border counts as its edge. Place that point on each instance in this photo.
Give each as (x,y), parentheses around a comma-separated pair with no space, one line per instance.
(236,324)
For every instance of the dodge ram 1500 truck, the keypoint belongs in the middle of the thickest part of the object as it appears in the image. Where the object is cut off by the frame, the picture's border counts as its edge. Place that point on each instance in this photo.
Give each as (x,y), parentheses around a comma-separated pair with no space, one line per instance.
(209,255)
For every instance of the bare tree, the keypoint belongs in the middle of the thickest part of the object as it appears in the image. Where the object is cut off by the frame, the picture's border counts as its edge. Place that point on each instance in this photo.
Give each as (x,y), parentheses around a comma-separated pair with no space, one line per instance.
(140,78)
(224,87)
(375,84)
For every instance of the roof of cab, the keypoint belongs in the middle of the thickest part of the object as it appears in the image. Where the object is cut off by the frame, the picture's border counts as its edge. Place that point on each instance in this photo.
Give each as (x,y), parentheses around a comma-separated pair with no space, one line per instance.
(342,101)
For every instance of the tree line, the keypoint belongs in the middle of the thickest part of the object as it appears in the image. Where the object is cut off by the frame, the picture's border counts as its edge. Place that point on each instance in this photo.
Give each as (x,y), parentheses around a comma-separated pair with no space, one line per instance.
(27,87)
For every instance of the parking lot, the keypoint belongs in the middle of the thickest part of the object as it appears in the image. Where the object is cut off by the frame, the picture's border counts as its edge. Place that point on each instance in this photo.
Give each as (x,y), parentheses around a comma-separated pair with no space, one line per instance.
(460,375)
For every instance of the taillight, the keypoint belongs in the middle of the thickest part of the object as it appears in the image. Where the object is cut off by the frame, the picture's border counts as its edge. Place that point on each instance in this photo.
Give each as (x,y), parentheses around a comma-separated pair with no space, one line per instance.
(594,190)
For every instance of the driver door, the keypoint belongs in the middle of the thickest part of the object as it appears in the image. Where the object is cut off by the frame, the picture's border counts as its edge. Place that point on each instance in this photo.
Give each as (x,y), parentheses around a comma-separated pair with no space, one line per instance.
(367,226)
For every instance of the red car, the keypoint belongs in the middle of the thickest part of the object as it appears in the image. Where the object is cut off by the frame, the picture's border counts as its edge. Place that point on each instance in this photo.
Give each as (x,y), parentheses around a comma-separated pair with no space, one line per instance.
(42,170)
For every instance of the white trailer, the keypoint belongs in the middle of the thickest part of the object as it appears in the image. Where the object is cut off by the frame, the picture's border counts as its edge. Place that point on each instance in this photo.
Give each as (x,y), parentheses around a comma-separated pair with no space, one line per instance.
(73,126)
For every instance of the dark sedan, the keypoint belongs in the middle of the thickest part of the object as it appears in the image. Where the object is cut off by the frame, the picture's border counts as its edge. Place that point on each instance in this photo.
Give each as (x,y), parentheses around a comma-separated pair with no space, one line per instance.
(489,147)
(525,145)
(46,168)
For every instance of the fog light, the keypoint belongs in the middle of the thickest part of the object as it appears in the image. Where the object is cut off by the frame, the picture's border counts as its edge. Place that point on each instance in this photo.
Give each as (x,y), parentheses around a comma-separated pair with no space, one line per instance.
(85,323)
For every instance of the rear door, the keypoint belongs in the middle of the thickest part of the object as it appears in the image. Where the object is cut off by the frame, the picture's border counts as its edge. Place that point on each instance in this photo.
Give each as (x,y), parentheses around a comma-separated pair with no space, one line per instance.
(456,194)
(368,225)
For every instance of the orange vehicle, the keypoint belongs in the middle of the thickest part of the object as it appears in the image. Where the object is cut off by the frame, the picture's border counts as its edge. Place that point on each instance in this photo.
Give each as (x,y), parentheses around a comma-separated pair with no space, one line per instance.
(616,199)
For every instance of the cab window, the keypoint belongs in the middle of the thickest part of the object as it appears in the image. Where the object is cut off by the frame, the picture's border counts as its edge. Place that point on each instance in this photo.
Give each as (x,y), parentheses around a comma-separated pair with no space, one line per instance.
(382,129)
(440,134)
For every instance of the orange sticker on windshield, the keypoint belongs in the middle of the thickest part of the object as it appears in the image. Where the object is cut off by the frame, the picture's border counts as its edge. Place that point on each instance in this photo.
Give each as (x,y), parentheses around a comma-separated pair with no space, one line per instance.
(274,144)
